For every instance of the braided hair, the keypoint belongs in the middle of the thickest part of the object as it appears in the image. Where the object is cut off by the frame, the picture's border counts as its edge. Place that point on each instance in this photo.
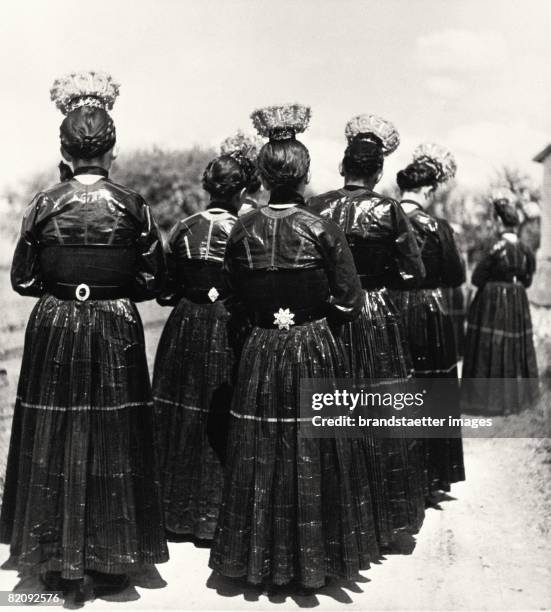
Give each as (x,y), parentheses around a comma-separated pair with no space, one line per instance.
(225,176)
(363,157)
(283,163)
(416,175)
(87,132)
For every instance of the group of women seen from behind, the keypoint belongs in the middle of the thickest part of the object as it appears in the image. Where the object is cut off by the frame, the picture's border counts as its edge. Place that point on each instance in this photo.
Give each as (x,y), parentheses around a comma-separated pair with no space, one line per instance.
(348,285)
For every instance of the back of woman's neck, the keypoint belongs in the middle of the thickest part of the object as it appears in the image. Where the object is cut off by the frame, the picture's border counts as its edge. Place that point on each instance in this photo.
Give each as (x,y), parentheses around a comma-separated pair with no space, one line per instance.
(360,182)
(412,196)
(223,205)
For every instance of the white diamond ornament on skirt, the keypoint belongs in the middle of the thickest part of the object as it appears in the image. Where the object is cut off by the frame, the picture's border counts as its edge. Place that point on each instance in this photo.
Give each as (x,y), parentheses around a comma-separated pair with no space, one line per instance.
(284,318)
(213,294)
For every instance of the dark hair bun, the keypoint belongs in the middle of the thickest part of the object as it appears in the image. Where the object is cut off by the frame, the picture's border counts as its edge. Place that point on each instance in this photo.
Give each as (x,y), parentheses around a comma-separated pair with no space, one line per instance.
(87,132)
(283,163)
(363,156)
(250,170)
(415,176)
(507,212)
(224,177)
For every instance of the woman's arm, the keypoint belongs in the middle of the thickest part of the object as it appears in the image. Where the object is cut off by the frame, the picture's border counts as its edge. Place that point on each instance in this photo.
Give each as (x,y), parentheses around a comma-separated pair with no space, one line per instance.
(26,277)
(530,267)
(453,269)
(150,263)
(346,298)
(170,293)
(409,263)
(482,271)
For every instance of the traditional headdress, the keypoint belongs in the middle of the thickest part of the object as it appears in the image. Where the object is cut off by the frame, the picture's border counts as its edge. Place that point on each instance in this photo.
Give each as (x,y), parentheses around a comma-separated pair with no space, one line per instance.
(502,194)
(244,149)
(371,124)
(438,158)
(282,122)
(247,145)
(84,98)
(89,88)
(504,203)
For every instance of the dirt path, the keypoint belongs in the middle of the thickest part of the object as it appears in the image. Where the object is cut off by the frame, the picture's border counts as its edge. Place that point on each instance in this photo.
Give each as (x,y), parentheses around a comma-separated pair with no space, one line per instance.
(486,549)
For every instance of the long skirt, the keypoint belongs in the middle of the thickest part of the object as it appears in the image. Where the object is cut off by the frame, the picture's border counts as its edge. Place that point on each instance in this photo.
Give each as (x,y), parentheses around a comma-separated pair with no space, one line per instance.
(82,489)
(430,335)
(192,382)
(376,348)
(499,352)
(294,509)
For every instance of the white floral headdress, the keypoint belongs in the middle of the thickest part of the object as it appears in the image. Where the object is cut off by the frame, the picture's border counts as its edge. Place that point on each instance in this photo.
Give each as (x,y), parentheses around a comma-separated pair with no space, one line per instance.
(281,122)
(439,158)
(502,193)
(248,145)
(87,88)
(372,124)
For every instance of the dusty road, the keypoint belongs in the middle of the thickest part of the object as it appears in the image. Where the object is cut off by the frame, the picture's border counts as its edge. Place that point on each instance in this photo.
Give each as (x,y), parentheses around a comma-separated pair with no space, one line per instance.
(486,548)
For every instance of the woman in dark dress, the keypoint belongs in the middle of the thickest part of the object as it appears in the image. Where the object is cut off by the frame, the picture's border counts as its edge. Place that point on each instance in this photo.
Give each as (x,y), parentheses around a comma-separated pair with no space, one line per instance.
(195,357)
(386,254)
(426,321)
(294,509)
(81,503)
(500,371)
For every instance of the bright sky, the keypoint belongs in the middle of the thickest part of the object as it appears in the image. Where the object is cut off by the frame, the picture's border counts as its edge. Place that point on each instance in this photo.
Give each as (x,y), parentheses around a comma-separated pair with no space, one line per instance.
(470,74)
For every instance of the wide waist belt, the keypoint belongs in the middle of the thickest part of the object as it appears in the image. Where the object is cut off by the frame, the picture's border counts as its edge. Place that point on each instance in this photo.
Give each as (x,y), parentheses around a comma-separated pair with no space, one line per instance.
(285,318)
(373,283)
(84,292)
(205,296)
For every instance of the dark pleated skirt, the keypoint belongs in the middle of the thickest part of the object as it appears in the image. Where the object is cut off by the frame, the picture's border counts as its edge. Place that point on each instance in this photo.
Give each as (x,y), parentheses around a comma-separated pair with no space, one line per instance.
(82,489)
(500,347)
(430,335)
(377,349)
(192,382)
(294,509)
(455,304)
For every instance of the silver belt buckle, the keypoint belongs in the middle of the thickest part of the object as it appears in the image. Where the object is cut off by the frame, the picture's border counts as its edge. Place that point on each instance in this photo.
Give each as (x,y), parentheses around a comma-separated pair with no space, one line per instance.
(82,292)
(284,318)
(213,294)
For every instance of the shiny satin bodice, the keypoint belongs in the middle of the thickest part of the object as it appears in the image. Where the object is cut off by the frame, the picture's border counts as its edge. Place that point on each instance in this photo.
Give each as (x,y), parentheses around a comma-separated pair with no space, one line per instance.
(103,216)
(103,213)
(295,239)
(441,258)
(507,261)
(201,236)
(379,234)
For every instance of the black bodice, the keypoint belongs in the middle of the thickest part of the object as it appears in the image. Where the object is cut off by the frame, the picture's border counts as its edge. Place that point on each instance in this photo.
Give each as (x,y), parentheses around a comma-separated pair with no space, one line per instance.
(441,258)
(380,236)
(292,258)
(98,234)
(508,260)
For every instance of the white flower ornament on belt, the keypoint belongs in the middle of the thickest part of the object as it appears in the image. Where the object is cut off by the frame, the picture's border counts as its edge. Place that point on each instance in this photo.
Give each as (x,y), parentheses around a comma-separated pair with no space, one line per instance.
(284,318)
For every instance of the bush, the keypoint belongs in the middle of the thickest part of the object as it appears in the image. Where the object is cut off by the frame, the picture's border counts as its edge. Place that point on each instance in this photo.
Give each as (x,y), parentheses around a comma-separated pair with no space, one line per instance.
(170,181)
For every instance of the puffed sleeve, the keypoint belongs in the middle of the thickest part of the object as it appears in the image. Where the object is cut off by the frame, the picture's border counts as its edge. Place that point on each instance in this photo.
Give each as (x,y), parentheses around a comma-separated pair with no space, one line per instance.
(171,290)
(346,298)
(409,263)
(530,267)
(26,276)
(233,301)
(150,265)
(453,270)
(482,271)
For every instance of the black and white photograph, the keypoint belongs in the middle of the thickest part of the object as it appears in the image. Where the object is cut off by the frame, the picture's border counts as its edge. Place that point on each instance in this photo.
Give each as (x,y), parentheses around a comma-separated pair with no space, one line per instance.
(275,295)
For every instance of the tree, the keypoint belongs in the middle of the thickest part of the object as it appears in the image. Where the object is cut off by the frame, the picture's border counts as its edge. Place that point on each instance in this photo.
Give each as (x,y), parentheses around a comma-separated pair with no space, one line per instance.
(169,180)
